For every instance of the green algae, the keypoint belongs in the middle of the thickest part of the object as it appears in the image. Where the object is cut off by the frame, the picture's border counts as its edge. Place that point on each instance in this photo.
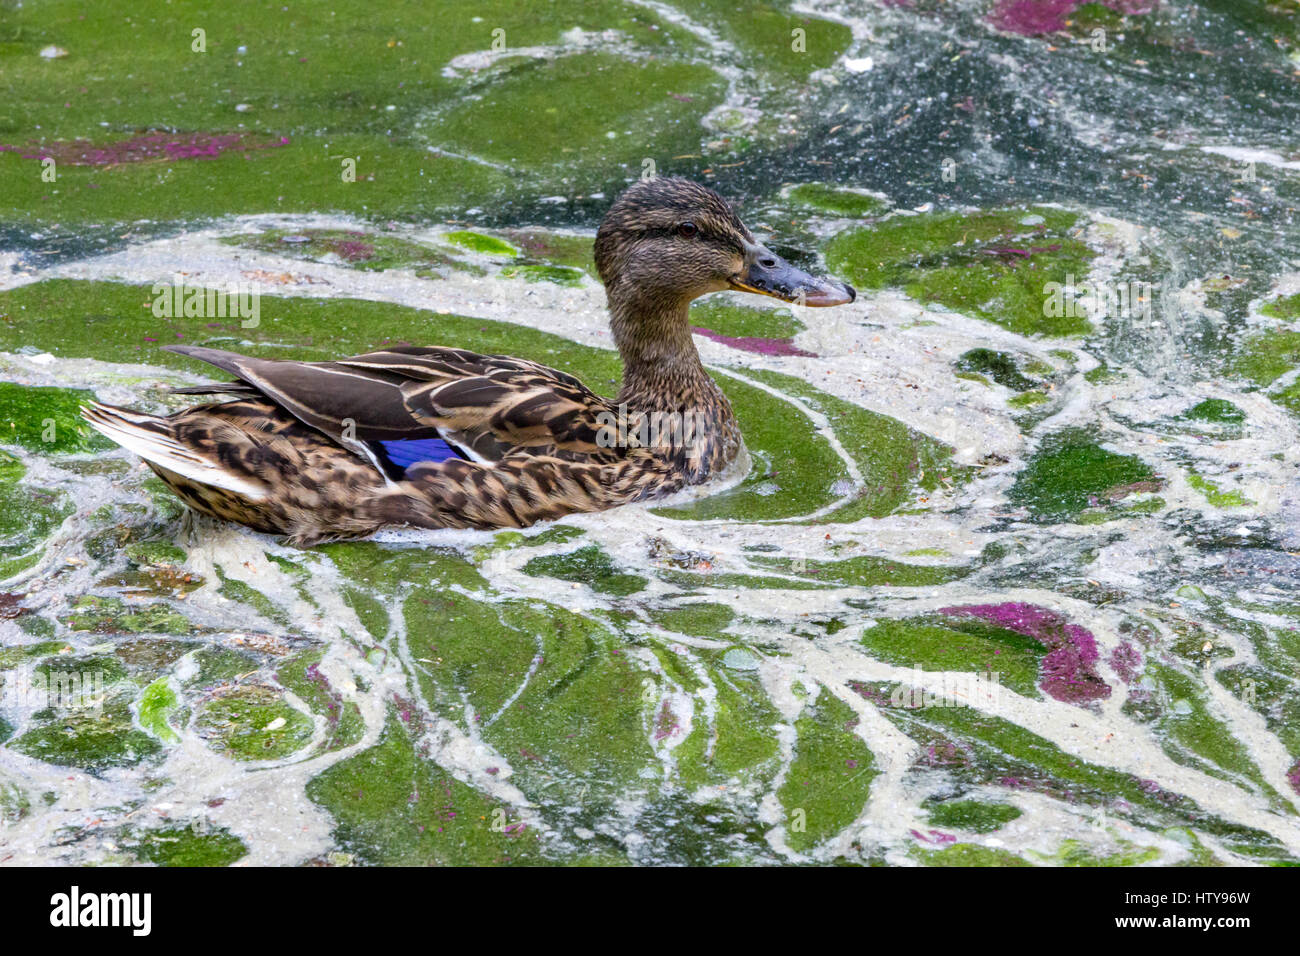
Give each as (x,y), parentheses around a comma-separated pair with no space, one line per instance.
(253,722)
(155,554)
(1071,472)
(1189,730)
(765,33)
(796,470)
(590,566)
(794,467)
(1266,356)
(93,744)
(389,72)
(183,846)
(343,721)
(302,176)
(697,619)
(389,569)
(394,807)
(1102,375)
(555,248)
(110,615)
(984,749)
(28,516)
(109,321)
(551,690)
(165,503)
(727,316)
(1078,853)
(1089,16)
(738,745)
(554,691)
(727,581)
(1003,367)
(235,590)
(216,665)
(15,804)
(987,264)
(1286,308)
(154,568)
(77,670)
(1268,692)
(559,275)
(1215,496)
(1027,400)
(157,705)
(1220,411)
(367,251)
(951,644)
(1288,397)
(896,461)
(829,780)
(370,611)
(974,816)
(47,419)
(13,655)
(825,197)
(867,571)
(968,854)
(926,553)
(481,243)
(601,94)
(89,724)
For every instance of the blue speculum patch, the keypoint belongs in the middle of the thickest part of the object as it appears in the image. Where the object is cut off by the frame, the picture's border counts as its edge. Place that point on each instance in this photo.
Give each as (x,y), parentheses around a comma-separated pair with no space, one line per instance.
(406,452)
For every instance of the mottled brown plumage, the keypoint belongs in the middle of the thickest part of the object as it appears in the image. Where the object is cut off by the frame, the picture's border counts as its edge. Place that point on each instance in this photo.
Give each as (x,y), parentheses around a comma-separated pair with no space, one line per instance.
(302,448)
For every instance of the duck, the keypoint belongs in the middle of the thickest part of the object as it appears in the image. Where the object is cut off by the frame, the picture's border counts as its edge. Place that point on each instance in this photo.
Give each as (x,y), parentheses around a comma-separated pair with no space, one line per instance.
(443,437)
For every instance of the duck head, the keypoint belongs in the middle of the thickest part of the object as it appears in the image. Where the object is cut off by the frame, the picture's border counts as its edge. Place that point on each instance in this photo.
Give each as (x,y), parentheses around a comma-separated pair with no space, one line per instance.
(667,241)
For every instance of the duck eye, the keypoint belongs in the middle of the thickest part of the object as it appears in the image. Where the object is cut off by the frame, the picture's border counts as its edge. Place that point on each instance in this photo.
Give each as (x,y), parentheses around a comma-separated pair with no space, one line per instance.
(687,230)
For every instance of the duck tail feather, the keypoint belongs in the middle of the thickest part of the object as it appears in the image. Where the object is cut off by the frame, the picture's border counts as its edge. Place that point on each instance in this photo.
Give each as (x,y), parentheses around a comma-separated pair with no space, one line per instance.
(216,388)
(154,439)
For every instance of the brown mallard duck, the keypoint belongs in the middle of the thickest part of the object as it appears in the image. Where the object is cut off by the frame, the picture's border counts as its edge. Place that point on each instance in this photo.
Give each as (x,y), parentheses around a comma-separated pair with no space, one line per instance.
(445,438)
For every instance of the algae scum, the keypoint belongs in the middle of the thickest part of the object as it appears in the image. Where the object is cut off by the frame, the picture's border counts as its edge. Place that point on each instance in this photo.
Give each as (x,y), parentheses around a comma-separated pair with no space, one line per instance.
(1011,577)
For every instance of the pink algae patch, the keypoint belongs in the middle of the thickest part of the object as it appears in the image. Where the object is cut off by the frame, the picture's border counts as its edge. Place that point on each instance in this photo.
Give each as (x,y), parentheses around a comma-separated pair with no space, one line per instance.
(753,344)
(148,147)
(1293,777)
(1068,670)
(1126,661)
(1033,18)
(354,251)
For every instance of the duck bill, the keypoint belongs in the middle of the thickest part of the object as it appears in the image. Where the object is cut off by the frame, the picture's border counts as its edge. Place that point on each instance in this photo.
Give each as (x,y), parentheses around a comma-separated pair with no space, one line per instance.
(766,273)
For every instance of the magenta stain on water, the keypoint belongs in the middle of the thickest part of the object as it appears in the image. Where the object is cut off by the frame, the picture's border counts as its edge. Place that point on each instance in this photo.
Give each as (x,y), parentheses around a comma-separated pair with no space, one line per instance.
(1036,17)
(1126,661)
(147,147)
(753,344)
(1068,670)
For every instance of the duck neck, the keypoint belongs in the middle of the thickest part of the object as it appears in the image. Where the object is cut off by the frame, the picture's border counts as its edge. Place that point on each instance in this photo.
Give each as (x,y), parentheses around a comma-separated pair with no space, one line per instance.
(661,368)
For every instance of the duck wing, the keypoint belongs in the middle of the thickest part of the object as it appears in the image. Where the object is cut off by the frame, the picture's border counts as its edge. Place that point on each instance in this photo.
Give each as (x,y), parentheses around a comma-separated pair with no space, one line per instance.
(487,406)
